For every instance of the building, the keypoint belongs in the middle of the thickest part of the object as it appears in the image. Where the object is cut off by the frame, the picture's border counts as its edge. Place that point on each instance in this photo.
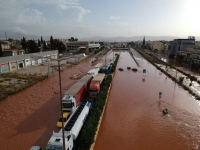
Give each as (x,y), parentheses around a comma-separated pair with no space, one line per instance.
(83,47)
(11,63)
(157,45)
(182,45)
(8,50)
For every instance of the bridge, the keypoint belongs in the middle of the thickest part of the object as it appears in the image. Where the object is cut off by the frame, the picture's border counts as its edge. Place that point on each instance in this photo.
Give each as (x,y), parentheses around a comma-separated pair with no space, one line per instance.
(119,48)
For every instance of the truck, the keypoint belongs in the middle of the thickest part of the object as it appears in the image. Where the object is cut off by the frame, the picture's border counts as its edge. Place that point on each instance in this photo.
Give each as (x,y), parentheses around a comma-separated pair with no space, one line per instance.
(93,72)
(95,85)
(72,129)
(75,94)
(105,69)
(99,65)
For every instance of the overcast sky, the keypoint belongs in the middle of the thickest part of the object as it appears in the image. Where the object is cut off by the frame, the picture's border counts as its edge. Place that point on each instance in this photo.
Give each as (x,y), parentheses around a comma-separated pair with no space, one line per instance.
(107,18)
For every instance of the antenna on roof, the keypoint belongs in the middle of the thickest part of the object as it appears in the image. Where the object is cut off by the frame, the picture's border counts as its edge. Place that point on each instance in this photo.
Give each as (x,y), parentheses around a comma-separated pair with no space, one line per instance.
(6,36)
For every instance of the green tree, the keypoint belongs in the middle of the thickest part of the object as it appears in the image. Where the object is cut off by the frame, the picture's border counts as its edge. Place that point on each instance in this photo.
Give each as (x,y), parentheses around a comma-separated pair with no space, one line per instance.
(24,43)
(155,50)
(44,45)
(59,45)
(171,56)
(32,46)
(143,43)
(72,39)
(39,44)
(10,40)
(1,53)
(41,40)
(51,43)
(192,78)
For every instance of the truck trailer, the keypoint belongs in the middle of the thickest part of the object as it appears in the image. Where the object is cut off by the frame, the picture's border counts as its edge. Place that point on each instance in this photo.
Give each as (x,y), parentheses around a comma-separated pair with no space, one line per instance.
(105,69)
(95,85)
(72,129)
(93,72)
(75,94)
(99,65)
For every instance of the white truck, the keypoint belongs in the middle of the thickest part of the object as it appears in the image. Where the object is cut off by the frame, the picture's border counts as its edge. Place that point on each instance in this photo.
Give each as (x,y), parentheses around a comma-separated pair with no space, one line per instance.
(71,129)
(99,65)
(93,72)
(75,94)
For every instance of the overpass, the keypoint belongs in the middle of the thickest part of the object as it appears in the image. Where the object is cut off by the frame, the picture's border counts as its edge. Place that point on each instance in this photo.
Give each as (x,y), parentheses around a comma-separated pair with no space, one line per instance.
(119,48)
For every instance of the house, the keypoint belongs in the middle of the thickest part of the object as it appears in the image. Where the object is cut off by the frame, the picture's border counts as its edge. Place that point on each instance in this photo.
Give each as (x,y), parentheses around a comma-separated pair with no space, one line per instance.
(8,51)
(158,46)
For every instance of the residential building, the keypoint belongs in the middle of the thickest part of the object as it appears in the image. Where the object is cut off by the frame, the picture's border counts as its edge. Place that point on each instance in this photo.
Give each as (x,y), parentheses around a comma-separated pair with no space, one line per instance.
(159,46)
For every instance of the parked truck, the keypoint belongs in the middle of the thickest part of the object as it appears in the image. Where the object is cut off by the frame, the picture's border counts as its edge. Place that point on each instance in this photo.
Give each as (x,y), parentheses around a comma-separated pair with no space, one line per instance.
(99,66)
(75,94)
(93,72)
(95,85)
(71,129)
(105,69)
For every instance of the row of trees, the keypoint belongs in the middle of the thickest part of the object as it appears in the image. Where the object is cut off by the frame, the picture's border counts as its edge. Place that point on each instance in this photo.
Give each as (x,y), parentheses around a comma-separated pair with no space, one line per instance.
(30,46)
(1,53)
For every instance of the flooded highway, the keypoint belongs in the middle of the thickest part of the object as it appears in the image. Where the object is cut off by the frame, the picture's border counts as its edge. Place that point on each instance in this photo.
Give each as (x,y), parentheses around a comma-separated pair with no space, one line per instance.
(132,119)
(133,116)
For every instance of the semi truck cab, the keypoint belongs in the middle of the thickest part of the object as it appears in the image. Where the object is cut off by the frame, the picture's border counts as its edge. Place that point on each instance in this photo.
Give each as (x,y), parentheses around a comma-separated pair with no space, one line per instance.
(69,103)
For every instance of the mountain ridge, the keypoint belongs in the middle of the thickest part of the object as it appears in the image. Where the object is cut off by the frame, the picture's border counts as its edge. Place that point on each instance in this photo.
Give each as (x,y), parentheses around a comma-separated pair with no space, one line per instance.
(19,36)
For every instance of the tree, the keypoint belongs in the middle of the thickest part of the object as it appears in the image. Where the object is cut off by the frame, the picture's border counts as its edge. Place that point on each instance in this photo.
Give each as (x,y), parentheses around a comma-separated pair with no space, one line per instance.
(10,40)
(1,53)
(51,43)
(72,39)
(24,43)
(59,45)
(192,78)
(32,46)
(143,43)
(41,40)
(44,45)
(171,56)
(155,50)
(39,43)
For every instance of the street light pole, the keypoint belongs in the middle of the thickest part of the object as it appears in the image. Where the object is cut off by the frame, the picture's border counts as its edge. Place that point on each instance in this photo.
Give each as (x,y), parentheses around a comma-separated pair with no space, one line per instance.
(63,133)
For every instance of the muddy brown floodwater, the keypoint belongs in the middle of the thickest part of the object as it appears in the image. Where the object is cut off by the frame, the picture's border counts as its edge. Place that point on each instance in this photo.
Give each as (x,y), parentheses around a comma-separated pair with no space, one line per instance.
(29,117)
(133,116)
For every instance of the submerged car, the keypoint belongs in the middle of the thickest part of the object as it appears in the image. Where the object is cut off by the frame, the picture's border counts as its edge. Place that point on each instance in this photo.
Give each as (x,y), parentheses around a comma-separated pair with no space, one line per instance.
(134,69)
(65,117)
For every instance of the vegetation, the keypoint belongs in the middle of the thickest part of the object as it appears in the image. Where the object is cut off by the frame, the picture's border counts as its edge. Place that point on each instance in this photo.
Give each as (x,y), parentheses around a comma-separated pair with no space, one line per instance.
(11,83)
(1,53)
(23,43)
(32,46)
(51,43)
(72,39)
(143,43)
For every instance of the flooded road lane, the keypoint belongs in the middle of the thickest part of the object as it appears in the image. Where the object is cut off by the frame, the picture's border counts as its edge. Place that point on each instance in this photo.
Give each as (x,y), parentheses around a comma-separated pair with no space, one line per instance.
(133,116)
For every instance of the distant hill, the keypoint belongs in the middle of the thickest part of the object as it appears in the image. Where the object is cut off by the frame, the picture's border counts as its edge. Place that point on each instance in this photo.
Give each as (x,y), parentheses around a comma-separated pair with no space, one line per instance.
(19,36)
(134,38)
